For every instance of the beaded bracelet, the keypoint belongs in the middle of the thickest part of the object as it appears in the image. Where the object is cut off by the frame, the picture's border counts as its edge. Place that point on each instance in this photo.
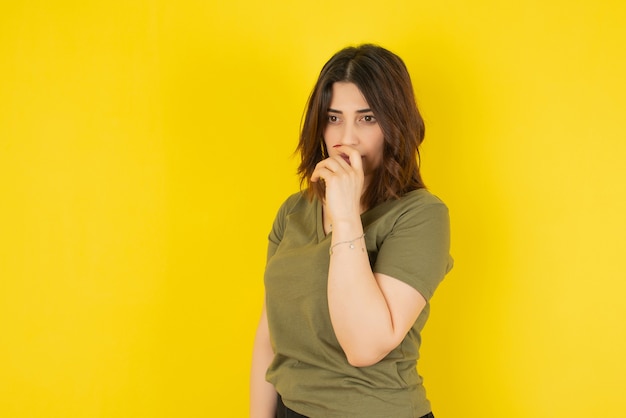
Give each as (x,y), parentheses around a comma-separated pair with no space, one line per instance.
(351,242)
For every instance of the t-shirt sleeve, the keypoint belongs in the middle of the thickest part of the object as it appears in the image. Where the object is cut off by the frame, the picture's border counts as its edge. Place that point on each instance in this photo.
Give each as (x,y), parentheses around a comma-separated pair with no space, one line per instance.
(417,250)
(278,227)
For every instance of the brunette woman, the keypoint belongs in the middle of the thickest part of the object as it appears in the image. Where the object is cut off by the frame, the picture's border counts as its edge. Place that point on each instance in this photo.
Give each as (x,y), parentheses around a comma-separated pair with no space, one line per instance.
(355,257)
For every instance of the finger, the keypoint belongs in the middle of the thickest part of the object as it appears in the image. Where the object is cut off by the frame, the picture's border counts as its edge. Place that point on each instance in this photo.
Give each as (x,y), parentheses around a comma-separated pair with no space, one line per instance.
(353,156)
(356,161)
(321,172)
(332,164)
(336,164)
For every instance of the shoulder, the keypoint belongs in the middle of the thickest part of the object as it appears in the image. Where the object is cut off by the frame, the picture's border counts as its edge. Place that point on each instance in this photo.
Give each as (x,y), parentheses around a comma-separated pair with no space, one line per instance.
(420,198)
(295,207)
(296,203)
(412,240)
(293,202)
(419,207)
(418,214)
(417,203)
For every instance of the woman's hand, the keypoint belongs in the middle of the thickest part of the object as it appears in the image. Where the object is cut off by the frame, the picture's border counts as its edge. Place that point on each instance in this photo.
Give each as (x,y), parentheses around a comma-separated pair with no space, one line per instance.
(342,173)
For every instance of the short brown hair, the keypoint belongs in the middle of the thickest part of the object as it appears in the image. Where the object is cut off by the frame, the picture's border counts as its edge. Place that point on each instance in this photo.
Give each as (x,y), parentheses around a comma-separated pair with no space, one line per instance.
(384,81)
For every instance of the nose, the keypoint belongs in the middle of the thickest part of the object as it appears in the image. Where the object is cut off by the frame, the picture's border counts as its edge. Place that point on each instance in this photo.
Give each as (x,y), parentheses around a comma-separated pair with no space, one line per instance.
(349,136)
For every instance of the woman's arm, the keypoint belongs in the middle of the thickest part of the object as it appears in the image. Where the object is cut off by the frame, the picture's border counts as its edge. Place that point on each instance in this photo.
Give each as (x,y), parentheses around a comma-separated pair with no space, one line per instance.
(262,393)
(371,313)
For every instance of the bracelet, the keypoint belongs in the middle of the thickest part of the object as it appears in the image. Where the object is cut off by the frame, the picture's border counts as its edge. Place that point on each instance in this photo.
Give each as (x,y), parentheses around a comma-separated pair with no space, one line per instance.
(351,242)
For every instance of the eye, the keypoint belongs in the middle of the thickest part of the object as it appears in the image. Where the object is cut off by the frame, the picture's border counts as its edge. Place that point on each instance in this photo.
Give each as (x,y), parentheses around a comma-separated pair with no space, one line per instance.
(333,119)
(369,118)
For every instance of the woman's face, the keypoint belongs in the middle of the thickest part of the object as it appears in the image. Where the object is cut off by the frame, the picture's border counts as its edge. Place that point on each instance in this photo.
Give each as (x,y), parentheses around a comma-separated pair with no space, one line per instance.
(352,123)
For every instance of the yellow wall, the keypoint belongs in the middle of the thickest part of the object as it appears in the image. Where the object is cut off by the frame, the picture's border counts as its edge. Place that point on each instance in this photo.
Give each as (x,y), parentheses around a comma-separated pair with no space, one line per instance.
(145,146)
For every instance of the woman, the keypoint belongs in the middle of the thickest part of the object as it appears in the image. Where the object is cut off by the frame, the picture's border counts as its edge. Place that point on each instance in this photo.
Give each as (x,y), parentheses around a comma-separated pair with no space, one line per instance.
(353,259)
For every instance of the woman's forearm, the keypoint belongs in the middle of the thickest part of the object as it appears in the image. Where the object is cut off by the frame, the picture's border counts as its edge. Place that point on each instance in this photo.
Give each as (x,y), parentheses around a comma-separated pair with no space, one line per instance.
(262,393)
(359,313)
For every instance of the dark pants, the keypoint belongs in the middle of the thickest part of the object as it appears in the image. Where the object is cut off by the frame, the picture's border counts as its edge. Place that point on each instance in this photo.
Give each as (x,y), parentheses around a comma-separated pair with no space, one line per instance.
(283,412)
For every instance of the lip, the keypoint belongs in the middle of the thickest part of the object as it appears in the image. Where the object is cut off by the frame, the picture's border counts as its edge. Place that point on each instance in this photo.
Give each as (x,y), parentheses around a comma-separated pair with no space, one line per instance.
(345,158)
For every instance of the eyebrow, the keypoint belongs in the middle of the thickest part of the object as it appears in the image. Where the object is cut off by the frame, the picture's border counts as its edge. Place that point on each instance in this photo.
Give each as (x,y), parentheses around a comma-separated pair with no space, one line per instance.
(341,113)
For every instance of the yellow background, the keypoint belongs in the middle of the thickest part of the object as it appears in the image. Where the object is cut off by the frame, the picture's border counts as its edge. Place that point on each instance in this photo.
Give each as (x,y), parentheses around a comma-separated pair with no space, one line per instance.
(146,145)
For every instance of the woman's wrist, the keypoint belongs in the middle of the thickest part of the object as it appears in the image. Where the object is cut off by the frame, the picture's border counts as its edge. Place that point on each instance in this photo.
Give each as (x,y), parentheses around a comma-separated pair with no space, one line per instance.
(346,229)
(351,244)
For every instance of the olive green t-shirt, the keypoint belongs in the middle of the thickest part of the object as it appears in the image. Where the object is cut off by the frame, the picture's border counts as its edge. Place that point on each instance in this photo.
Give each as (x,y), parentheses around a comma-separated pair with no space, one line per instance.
(407,239)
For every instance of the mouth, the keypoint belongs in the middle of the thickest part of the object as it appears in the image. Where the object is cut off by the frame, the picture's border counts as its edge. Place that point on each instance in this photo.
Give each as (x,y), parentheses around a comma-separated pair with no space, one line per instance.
(347,159)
